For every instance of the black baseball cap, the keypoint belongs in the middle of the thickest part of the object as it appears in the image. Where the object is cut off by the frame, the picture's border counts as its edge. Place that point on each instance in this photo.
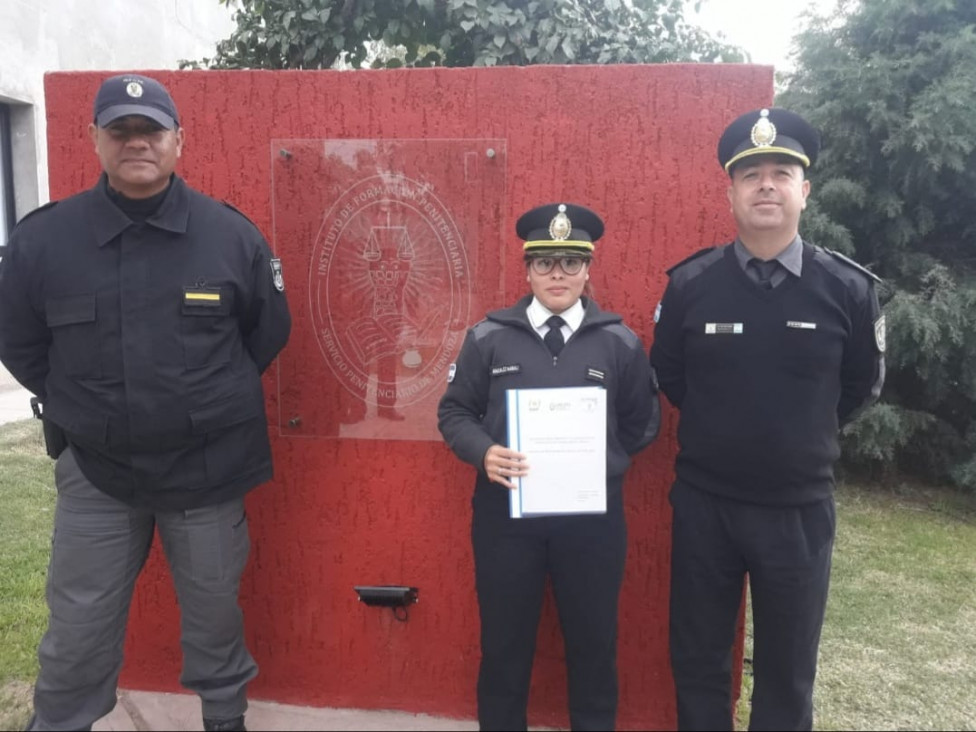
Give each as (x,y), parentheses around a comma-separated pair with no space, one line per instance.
(129,94)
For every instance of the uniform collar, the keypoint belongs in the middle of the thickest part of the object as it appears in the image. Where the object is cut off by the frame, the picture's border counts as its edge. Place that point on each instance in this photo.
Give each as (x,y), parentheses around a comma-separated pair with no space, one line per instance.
(517,314)
(109,220)
(790,258)
(538,314)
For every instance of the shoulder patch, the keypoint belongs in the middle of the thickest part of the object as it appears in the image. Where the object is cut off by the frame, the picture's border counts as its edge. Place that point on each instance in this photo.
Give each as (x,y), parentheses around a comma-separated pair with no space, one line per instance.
(45,207)
(697,254)
(851,263)
(277,277)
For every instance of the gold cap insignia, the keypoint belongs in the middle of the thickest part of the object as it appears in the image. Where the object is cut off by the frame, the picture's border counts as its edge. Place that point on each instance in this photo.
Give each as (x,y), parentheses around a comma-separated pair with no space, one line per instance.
(133,89)
(560,227)
(764,131)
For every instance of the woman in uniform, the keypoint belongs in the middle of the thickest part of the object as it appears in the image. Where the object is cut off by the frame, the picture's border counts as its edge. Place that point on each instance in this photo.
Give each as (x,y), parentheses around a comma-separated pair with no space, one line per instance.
(555,336)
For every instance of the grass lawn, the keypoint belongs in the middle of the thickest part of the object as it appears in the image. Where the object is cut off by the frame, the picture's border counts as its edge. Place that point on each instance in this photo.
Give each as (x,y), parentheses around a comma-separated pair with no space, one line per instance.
(898,648)
(27,487)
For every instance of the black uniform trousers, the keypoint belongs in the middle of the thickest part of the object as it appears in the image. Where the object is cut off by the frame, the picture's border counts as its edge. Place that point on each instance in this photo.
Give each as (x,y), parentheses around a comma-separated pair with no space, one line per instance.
(584,558)
(786,551)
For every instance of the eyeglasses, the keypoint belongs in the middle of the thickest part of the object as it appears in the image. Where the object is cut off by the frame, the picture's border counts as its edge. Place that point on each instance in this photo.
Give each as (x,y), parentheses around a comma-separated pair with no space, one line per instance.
(569,265)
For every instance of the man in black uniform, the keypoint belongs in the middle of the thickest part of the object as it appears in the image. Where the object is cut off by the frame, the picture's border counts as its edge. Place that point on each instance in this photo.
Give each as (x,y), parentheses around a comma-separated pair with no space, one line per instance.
(142,313)
(767,345)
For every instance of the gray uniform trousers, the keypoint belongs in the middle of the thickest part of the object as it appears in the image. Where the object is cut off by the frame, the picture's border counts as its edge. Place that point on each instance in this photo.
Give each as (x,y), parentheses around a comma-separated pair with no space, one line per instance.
(97,551)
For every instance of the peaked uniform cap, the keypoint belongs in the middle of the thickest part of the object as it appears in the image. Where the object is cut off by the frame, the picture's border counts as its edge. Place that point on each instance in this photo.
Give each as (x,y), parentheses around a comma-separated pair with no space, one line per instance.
(559,228)
(772,131)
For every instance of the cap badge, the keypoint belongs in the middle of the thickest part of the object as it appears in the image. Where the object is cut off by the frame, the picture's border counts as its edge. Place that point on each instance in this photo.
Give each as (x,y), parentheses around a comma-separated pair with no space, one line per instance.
(560,227)
(133,89)
(764,131)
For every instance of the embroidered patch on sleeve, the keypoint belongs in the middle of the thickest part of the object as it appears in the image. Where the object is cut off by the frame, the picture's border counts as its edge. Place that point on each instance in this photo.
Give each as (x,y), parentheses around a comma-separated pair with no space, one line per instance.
(276,275)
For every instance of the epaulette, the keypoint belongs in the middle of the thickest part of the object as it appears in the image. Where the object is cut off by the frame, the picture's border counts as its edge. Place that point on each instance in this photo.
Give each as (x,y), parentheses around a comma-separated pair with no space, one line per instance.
(850,262)
(49,204)
(236,210)
(697,254)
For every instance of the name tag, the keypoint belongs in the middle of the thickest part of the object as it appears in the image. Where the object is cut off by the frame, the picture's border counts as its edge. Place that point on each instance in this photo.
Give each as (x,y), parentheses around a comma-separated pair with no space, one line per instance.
(723,328)
(502,370)
(801,325)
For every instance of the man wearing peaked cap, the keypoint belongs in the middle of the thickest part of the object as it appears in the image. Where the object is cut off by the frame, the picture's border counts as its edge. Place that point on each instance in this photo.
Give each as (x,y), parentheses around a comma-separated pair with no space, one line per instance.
(769,132)
(142,313)
(767,345)
(555,336)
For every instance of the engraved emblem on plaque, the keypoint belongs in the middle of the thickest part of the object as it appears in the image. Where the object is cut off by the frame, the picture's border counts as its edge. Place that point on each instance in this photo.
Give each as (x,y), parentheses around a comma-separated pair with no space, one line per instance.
(390,290)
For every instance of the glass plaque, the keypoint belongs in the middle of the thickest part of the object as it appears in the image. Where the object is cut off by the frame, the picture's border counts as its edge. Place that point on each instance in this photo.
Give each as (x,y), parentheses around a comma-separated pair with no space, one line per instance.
(391,249)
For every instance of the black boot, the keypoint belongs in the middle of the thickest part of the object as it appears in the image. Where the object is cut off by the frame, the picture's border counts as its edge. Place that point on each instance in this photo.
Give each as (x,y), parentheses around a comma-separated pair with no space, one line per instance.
(224,725)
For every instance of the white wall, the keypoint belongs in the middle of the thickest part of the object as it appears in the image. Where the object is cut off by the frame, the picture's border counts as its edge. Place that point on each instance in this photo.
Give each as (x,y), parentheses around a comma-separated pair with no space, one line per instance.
(37,36)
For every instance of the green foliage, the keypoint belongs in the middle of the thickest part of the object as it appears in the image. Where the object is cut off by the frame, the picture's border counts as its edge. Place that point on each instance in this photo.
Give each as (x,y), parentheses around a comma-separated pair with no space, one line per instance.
(321,34)
(27,486)
(891,84)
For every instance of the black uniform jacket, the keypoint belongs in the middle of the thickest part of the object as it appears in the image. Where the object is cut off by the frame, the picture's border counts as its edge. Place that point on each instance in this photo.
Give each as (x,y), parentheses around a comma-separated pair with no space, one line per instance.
(504,352)
(765,378)
(146,342)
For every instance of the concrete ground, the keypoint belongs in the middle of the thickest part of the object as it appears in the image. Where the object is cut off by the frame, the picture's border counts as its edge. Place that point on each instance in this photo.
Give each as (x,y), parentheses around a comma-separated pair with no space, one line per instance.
(143,710)
(14,399)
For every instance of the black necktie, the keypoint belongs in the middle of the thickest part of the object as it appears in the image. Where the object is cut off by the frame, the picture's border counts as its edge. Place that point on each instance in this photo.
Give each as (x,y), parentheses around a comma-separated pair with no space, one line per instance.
(554,337)
(765,271)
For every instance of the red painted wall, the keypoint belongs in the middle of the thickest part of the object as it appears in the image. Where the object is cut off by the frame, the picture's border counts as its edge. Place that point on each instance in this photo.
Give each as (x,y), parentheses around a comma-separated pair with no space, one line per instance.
(636,143)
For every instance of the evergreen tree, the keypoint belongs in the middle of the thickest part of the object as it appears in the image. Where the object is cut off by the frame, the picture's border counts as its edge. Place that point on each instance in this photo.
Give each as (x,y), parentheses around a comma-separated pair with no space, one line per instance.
(891,84)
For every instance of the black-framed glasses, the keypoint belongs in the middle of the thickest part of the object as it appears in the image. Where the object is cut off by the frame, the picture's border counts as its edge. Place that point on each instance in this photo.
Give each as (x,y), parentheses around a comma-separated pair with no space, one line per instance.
(569,265)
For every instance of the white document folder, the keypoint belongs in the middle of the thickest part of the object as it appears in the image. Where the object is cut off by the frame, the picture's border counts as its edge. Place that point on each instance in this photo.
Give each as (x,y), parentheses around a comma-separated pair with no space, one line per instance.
(563,434)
